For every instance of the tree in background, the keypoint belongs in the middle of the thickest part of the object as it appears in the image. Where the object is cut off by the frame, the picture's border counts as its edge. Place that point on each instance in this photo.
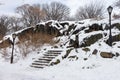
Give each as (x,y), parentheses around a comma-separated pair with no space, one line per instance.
(31,14)
(56,11)
(117,15)
(9,24)
(92,10)
(4,22)
(117,3)
(14,24)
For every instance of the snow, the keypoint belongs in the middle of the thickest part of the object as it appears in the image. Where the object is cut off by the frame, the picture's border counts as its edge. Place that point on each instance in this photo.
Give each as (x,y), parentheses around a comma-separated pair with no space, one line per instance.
(99,69)
(94,68)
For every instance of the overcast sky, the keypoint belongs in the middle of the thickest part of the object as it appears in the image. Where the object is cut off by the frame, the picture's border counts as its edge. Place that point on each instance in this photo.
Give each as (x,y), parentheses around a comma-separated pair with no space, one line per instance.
(8,6)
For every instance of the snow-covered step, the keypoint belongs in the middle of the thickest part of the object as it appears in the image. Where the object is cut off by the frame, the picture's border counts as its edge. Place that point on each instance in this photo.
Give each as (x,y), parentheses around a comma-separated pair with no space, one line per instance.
(46,59)
(54,50)
(42,61)
(51,55)
(43,64)
(36,66)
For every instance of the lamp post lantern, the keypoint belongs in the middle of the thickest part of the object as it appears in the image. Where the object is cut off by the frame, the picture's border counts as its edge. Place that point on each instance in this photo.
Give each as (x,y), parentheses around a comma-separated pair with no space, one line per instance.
(13,36)
(110,34)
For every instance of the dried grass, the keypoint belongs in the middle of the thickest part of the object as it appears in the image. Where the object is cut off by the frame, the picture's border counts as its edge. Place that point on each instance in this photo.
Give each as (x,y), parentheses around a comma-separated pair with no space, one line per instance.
(33,42)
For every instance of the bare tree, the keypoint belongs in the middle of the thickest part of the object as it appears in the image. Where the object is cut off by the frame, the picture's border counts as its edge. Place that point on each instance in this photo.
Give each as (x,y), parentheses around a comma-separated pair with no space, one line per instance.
(15,24)
(56,11)
(9,24)
(3,26)
(92,10)
(117,3)
(31,14)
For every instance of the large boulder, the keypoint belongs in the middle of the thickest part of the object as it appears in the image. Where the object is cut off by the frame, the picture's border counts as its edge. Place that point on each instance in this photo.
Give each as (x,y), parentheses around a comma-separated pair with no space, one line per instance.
(91,40)
(95,52)
(114,38)
(107,54)
(94,27)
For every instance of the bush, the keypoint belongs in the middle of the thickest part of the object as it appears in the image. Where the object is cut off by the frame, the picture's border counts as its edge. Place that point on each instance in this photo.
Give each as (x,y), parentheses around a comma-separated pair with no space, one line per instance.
(33,42)
(116,16)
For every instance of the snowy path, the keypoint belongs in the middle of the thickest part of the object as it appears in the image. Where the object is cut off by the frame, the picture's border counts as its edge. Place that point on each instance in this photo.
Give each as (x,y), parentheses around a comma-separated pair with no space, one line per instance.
(110,70)
(12,72)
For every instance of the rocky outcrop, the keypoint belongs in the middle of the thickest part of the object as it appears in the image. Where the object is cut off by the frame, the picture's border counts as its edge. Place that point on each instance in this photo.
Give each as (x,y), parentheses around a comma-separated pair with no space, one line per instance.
(94,27)
(31,32)
(91,40)
(114,39)
(67,28)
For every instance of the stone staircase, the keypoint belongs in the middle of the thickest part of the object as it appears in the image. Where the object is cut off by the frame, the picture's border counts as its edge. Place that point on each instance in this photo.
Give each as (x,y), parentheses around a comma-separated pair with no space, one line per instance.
(46,59)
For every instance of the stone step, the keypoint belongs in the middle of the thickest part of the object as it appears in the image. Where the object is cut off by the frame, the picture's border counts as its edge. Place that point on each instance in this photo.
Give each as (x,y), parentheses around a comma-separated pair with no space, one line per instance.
(48,57)
(36,66)
(42,59)
(51,55)
(54,50)
(42,64)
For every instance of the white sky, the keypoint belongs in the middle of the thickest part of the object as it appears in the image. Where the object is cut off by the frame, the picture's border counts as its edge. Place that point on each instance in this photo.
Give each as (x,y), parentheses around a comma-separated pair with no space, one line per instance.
(8,6)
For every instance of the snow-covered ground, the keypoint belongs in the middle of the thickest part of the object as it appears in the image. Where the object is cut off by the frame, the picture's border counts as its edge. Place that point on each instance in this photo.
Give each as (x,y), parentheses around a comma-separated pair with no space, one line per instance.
(94,69)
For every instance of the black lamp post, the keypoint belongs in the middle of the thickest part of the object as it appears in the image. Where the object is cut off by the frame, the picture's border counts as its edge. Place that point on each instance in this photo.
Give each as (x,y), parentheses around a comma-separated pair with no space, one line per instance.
(13,36)
(77,41)
(110,35)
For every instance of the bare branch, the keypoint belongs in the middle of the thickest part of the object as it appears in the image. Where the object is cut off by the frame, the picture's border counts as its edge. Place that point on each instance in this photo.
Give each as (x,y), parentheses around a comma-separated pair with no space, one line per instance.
(56,11)
(31,15)
(92,10)
(117,3)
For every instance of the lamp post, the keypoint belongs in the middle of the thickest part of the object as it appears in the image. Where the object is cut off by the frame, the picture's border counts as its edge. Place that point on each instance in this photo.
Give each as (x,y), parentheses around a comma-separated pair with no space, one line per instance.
(13,36)
(77,41)
(110,34)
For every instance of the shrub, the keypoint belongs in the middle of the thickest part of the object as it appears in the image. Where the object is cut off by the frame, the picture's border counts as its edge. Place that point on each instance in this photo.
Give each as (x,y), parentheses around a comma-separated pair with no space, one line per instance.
(35,41)
(116,16)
